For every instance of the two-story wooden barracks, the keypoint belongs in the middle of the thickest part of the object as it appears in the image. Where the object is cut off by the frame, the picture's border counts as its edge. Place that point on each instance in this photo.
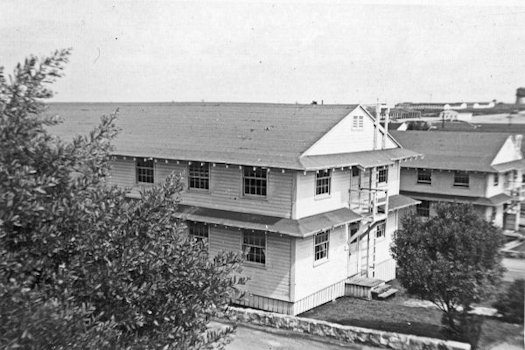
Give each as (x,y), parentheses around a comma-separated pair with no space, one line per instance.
(483,169)
(309,193)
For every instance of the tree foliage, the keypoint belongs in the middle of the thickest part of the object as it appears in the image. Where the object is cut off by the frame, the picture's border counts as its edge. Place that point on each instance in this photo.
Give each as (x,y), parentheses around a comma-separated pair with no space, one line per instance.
(452,259)
(81,265)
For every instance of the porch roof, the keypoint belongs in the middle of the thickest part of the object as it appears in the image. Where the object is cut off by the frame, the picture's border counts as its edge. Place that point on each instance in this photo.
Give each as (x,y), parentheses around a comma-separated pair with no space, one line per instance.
(489,202)
(508,166)
(364,159)
(296,228)
(399,201)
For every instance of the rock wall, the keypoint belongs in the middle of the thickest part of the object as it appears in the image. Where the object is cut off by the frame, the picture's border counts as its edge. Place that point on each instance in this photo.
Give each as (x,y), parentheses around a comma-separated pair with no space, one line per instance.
(347,334)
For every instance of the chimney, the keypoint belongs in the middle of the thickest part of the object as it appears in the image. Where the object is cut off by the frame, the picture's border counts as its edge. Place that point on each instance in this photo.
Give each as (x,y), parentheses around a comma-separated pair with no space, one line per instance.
(387,119)
(376,124)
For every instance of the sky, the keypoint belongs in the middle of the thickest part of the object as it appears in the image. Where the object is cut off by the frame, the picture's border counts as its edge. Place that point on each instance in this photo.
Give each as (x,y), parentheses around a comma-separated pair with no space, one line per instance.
(274,51)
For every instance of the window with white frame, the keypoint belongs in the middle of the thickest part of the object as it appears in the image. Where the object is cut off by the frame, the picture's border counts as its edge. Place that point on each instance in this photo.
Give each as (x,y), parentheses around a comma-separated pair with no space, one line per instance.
(254,246)
(357,122)
(323,180)
(144,170)
(461,179)
(321,244)
(198,230)
(496,180)
(423,209)
(199,176)
(382,174)
(254,181)
(381,229)
(424,176)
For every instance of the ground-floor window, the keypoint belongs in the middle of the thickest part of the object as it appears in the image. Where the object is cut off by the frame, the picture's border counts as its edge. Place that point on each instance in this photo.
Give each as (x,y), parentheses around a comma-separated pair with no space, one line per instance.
(321,242)
(254,246)
(423,209)
(198,230)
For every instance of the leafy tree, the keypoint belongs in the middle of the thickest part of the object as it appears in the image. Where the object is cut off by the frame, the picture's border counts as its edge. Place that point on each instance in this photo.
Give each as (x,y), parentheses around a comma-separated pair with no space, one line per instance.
(81,265)
(452,259)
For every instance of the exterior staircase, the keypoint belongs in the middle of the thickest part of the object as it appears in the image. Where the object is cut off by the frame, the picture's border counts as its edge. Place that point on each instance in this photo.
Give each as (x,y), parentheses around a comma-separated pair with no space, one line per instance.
(383,292)
(368,288)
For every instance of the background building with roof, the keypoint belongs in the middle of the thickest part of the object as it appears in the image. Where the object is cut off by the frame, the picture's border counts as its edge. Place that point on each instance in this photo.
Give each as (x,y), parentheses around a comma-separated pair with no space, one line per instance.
(484,169)
(308,193)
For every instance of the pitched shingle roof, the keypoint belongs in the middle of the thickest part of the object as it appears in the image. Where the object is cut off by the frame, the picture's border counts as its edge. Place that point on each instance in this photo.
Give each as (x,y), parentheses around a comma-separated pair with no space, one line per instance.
(272,135)
(465,151)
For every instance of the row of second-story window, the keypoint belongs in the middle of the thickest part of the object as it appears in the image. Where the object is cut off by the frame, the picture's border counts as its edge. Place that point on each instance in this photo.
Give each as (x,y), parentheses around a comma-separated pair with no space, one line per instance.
(255,179)
(461,178)
(254,242)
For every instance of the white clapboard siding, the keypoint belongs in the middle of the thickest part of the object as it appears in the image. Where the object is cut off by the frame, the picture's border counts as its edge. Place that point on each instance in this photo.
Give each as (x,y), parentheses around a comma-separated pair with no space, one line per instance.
(123,173)
(271,280)
(225,191)
(307,203)
(385,270)
(312,277)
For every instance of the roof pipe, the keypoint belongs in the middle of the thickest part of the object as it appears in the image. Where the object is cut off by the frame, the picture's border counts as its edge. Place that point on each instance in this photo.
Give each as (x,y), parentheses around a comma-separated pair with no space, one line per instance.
(385,134)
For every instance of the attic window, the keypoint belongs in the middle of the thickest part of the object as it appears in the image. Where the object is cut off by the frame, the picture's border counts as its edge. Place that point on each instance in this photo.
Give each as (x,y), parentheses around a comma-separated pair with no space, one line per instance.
(357,122)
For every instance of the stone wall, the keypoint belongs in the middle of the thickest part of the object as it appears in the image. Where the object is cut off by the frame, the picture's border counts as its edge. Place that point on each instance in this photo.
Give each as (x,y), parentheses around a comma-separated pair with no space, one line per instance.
(339,332)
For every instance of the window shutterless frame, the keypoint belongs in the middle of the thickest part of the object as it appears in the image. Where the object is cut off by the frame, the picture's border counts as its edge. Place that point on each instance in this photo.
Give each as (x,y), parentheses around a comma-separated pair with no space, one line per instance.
(424,176)
(199,176)
(323,182)
(254,246)
(461,179)
(255,181)
(144,171)
(321,245)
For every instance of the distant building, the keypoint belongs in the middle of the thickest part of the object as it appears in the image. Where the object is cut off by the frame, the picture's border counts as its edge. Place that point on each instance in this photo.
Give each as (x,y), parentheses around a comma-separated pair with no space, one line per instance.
(484,169)
(401,113)
(433,107)
(520,96)
(452,115)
